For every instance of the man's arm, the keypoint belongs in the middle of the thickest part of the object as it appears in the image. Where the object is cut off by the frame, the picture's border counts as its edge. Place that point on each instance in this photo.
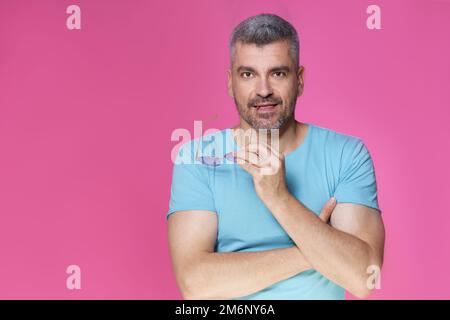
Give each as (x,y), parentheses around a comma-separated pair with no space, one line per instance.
(341,252)
(202,273)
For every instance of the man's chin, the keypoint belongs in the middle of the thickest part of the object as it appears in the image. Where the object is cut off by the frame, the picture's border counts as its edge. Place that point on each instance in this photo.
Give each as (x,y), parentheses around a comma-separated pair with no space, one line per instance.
(266,125)
(266,121)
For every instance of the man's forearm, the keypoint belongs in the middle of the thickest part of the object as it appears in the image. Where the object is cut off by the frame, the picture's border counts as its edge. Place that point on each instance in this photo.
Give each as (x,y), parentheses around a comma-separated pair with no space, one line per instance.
(236,274)
(339,256)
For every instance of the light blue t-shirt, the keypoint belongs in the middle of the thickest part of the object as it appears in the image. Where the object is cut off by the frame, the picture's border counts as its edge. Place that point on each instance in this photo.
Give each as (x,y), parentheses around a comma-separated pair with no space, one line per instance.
(326,164)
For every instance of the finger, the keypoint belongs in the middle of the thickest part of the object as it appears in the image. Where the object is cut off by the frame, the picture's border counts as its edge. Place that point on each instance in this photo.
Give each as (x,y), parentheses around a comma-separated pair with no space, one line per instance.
(272,158)
(244,156)
(269,163)
(327,209)
(262,152)
(247,166)
(260,143)
(251,169)
(270,149)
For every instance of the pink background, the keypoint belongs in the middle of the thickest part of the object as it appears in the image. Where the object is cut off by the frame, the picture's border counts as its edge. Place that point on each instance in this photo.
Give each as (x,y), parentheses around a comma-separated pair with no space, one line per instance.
(86,118)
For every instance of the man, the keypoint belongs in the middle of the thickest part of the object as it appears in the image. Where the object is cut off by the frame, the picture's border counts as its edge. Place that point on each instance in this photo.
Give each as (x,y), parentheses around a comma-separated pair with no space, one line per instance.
(296,217)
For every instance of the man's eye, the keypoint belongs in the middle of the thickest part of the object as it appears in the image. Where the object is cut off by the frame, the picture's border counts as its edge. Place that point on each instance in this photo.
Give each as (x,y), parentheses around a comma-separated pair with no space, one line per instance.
(279,74)
(246,74)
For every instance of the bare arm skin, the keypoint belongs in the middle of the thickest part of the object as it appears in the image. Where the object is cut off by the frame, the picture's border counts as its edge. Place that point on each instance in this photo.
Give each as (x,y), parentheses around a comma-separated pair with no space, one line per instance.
(341,252)
(202,273)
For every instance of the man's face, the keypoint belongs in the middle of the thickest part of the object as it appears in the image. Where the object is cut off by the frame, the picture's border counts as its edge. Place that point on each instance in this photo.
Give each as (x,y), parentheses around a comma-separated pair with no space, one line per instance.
(265,83)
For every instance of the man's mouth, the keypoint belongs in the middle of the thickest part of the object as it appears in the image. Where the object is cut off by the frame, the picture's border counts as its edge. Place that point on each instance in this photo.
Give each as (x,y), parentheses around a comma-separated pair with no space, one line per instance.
(266,107)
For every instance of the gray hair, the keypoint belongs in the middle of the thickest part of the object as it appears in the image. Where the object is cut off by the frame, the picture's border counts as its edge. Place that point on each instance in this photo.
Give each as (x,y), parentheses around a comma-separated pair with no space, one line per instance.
(263,29)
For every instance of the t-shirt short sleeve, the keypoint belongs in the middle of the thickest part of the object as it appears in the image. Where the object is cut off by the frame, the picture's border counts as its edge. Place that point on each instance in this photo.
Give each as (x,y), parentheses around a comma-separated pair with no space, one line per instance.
(357,182)
(190,189)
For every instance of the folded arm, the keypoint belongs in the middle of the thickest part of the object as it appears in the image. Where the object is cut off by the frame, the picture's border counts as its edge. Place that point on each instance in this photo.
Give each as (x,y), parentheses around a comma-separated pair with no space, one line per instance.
(202,273)
(342,251)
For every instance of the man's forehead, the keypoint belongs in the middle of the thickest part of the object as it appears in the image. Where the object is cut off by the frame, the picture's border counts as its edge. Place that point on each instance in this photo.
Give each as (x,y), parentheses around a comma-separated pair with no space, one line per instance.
(272,53)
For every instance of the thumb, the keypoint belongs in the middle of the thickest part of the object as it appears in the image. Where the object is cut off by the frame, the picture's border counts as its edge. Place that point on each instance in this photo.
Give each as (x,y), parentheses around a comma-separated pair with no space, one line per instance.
(327,209)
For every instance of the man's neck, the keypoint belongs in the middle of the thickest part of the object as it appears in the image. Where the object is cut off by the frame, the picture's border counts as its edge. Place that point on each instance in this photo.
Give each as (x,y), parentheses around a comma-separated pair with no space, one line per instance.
(291,135)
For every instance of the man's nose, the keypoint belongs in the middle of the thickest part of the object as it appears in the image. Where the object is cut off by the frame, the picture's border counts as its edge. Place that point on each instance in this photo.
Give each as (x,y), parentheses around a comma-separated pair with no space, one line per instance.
(264,88)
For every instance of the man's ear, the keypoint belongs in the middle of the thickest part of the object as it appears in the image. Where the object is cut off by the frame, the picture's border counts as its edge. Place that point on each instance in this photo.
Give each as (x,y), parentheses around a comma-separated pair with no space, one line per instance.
(301,79)
(230,83)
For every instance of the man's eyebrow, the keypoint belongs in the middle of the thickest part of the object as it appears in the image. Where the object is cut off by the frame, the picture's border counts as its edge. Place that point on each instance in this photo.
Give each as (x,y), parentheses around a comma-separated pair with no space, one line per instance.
(245,68)
(280,68)
(273,69)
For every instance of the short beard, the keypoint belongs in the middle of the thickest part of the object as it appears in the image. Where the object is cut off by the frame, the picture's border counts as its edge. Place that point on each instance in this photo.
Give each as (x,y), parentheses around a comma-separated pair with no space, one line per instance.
(257,124)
